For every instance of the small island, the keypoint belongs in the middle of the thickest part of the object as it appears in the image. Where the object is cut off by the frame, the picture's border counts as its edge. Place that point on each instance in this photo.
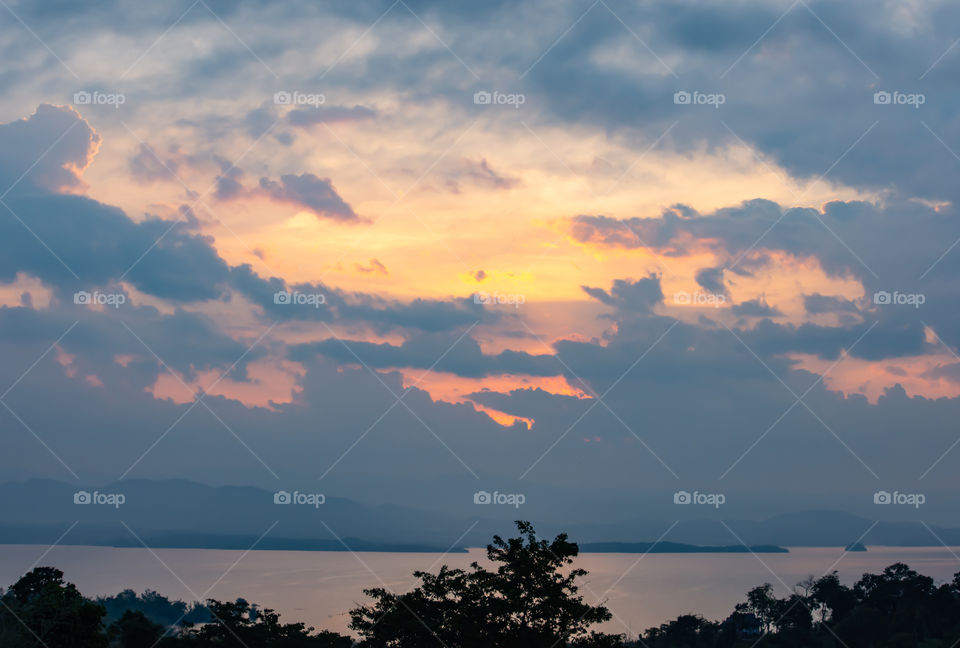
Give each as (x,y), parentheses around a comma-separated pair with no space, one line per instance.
(674,547)
(855,546)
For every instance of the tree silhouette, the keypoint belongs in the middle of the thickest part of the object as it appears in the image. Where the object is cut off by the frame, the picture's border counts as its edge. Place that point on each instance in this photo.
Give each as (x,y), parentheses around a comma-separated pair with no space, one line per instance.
(528,601)
(41,609)
(135,630)
(242,625)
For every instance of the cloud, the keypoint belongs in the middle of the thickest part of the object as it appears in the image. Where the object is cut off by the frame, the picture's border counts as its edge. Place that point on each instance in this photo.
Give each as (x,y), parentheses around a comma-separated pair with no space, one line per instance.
(379,313)
(147,165)
(304,190)
(756,308)
(817,304)
(306,117)
(885,339)
(633,296)
(373,267)
(894,247)
(837,130)
(949,372)
(711,279)
(423,351)
(600,295)
(308,191)
(47,151)
(480,173)
(72,242)
(229,184)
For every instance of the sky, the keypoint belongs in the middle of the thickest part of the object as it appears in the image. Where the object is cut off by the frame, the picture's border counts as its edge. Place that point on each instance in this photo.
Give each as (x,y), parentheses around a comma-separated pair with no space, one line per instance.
(597,254)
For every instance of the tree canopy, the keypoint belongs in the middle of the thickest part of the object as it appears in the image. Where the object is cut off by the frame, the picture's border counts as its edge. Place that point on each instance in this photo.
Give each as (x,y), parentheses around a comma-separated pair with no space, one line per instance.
(531,600)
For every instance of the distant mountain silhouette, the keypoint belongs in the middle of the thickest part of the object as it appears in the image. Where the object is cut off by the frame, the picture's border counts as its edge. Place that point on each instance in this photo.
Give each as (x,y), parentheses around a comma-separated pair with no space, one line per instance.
(180,513)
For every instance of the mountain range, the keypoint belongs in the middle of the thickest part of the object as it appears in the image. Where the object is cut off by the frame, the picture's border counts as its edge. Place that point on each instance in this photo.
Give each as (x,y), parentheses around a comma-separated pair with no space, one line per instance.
(180,513)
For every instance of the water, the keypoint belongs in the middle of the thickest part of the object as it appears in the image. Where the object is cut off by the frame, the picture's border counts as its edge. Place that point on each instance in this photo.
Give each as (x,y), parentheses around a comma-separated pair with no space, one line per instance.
(320,587)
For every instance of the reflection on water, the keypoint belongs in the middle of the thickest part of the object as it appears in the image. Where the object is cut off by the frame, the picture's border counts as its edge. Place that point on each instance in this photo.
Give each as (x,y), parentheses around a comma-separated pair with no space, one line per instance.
(320,587)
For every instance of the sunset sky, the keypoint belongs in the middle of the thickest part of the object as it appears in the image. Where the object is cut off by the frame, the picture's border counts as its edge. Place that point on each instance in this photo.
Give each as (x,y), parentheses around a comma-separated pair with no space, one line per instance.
(712,247)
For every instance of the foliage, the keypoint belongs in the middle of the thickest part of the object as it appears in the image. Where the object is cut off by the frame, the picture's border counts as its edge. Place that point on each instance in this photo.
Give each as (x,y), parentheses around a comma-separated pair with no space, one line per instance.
(531,600)
(42,609)
(154,606)
(895,608)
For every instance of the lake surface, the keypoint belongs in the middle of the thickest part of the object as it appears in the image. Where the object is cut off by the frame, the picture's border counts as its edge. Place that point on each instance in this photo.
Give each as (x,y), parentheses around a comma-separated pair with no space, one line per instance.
(320,587)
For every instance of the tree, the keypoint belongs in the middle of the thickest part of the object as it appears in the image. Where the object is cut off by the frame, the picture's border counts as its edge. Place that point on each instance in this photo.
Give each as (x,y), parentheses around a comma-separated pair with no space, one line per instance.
(135,630)
(835,599)
(155,606)
(896,602)
(793,614)
(685,630)
(538,603)
(530,601)
(242,625)
(41,609)
(448,609)
(896,588)
(762,604)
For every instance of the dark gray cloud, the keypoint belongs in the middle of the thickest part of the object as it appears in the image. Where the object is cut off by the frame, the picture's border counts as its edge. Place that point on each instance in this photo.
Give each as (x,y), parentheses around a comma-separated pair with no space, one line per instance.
(640,296)
(464,358)
(184,341)
(900,248)
(949,371)
(311,192)
(817,304)
(70,144)
(711,279)
(304,190)
(887,339)
(229,183)
(72,241)
(685,392)
(755,308)
(776,101)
